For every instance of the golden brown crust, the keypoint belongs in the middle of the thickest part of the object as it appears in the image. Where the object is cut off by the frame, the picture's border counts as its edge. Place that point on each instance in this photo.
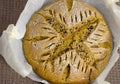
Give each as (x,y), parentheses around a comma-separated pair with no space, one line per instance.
(67,42)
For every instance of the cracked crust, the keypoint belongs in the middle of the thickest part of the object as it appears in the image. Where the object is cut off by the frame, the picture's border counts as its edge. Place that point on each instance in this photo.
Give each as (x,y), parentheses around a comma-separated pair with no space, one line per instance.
(67,42)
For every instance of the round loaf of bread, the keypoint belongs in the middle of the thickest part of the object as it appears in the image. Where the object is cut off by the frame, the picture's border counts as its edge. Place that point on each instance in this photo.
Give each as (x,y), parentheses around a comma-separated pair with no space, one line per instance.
(67,42)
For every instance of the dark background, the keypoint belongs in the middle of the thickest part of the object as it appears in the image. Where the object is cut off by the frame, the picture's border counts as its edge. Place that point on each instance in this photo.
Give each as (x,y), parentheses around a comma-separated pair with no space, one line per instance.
(9,13)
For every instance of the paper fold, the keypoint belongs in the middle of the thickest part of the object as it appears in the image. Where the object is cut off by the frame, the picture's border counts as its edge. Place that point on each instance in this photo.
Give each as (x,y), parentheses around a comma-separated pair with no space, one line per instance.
(10,49)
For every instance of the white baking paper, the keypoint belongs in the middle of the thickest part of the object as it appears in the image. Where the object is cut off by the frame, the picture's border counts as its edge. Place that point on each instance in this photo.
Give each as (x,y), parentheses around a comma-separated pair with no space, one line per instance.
(11,39)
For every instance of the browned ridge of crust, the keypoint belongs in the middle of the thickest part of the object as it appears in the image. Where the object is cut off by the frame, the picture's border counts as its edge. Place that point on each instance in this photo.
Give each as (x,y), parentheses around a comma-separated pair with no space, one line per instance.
(67,42)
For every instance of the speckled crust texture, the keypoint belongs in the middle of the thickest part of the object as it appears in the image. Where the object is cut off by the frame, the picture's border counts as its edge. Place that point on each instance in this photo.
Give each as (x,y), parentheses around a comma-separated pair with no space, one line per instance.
(67,42)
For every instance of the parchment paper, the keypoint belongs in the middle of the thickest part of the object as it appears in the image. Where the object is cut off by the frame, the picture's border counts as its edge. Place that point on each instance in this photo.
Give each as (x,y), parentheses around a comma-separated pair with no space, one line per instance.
(11,39)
